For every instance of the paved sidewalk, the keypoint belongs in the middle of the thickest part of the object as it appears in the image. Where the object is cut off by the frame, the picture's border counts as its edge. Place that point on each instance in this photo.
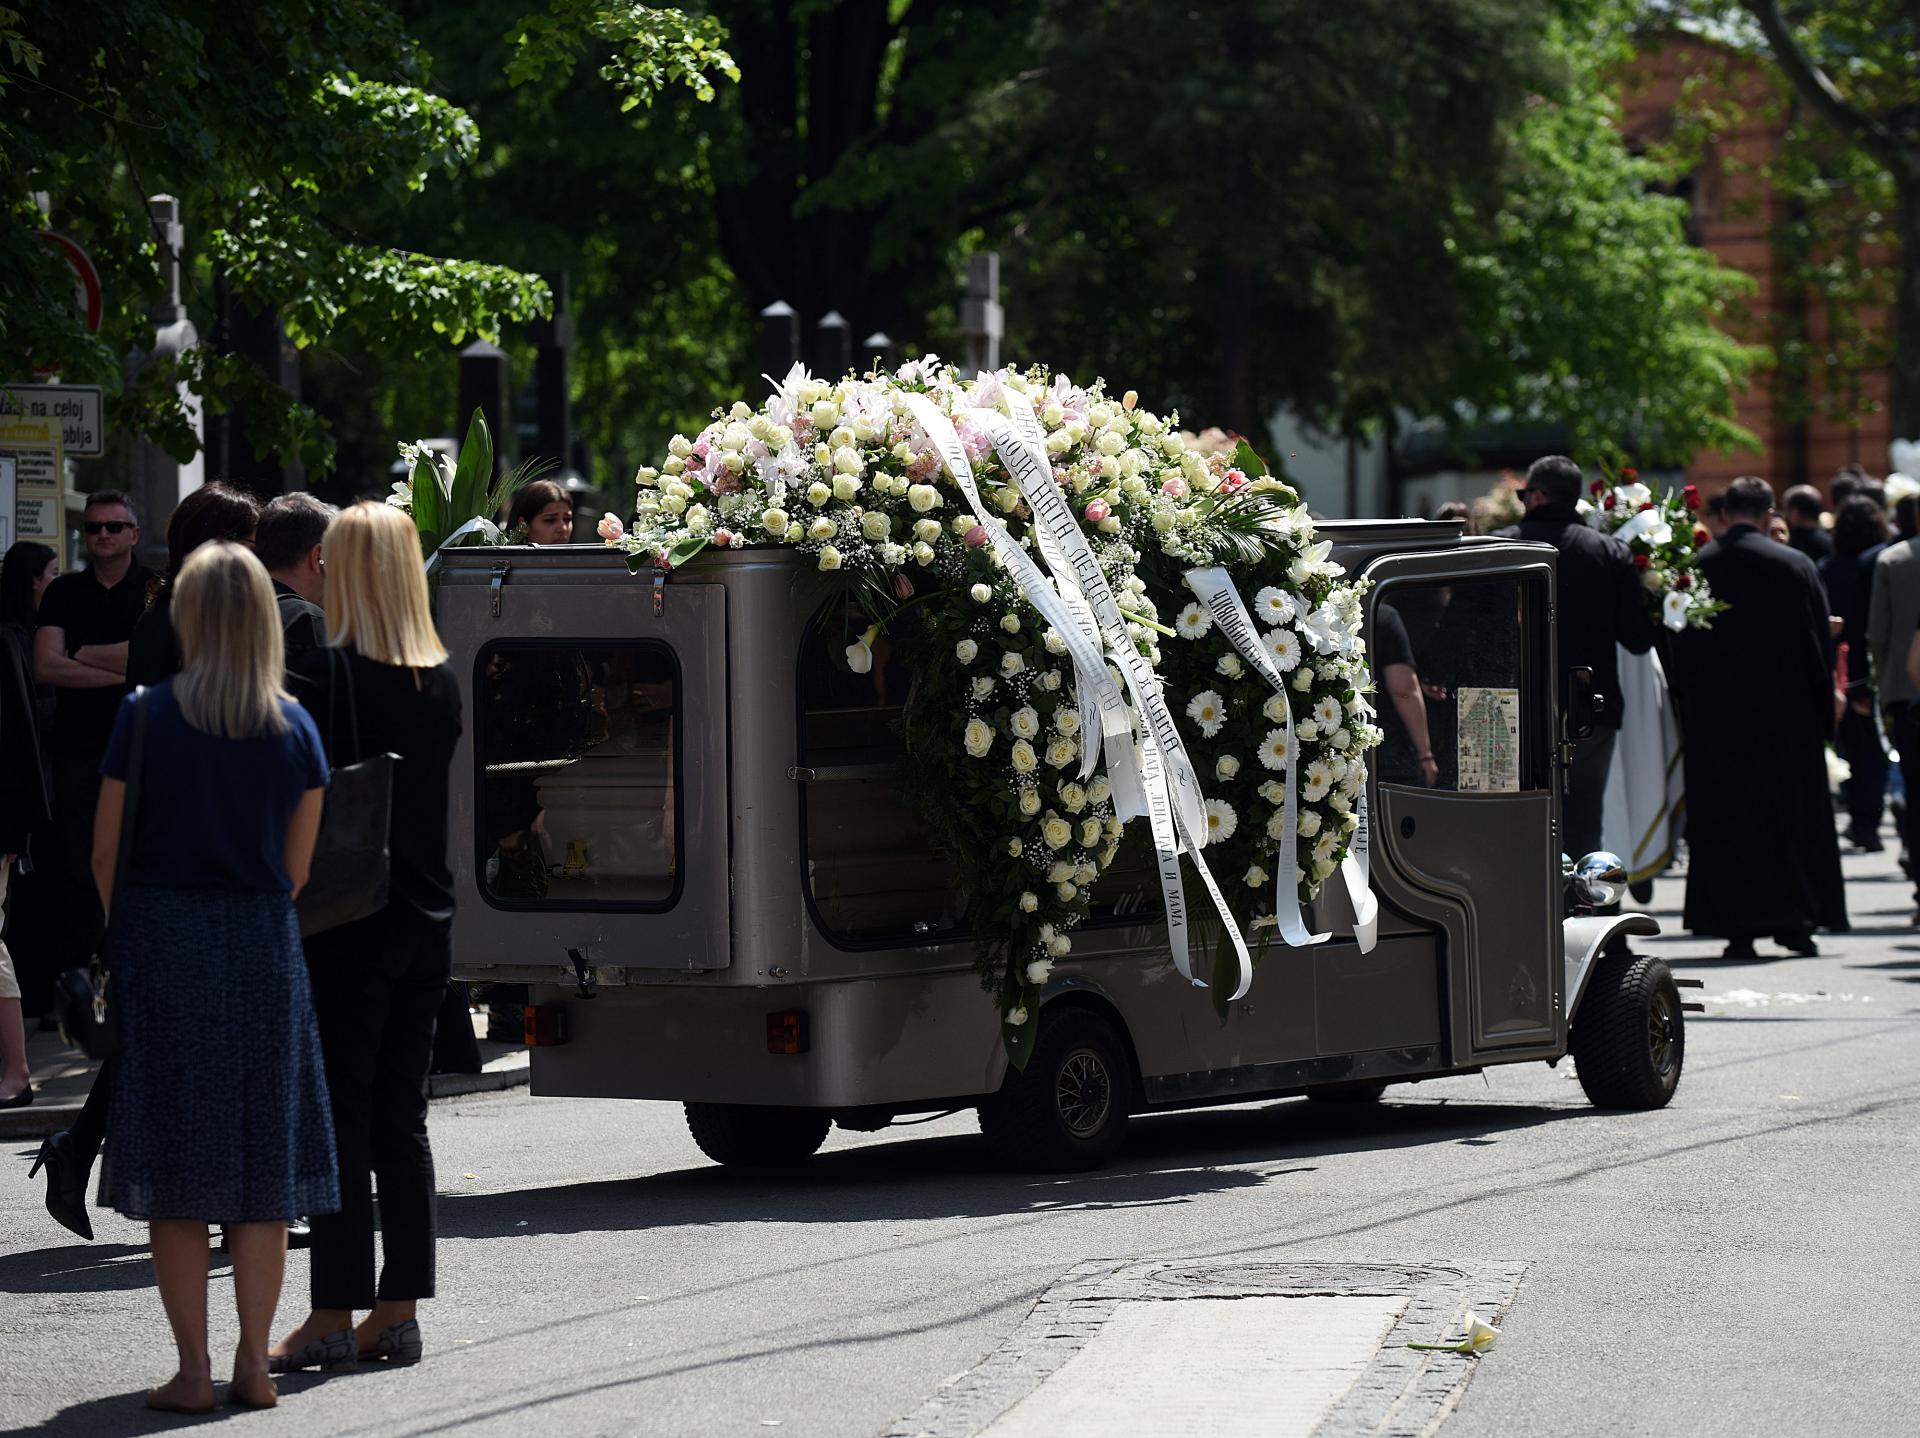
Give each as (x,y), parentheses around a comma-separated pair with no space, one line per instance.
(62,1075)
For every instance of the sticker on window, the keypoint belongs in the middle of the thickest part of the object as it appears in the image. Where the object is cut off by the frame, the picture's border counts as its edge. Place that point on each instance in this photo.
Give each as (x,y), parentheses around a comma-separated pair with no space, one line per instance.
(1488,745)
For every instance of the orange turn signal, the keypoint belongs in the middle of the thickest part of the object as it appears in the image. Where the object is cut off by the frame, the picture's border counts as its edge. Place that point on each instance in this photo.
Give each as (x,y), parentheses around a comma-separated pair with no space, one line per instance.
(787,1032)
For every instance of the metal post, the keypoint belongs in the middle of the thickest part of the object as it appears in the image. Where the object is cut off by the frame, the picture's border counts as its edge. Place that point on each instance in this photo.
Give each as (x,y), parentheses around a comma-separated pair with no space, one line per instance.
(832,345)
(880,348)
(552,405)
(779,339)
(982,321)
(157,480)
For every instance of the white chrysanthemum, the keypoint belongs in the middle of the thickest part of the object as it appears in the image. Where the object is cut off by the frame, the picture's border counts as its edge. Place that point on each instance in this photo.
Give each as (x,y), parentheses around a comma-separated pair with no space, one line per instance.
(979,738)
(1316,783)
(1274,606)
(1276,750)
(1024,721)
(1208,710)
(1284,645)
(1025,761)
(1327,713)
(1193,622)
(1221,820)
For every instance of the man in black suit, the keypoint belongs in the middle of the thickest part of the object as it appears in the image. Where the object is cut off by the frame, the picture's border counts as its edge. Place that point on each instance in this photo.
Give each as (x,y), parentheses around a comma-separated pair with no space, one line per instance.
(290,542)
(1601,604)
(1756,701)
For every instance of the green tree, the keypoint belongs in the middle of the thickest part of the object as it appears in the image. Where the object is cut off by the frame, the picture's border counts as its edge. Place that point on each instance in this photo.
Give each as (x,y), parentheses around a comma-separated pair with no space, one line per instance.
(284,127)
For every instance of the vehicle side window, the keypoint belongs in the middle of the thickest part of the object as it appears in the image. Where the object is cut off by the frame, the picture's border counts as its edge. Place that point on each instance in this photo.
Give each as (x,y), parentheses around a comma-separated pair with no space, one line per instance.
(577,752)
(873,877)
(1458,656)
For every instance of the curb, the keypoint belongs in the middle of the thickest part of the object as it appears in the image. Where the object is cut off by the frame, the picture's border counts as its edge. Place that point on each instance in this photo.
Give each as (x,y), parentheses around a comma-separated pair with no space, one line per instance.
(40,1119)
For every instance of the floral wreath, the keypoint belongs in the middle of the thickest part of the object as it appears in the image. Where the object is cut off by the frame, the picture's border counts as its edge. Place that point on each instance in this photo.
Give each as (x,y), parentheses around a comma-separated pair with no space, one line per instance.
(898,485)
(1660,531)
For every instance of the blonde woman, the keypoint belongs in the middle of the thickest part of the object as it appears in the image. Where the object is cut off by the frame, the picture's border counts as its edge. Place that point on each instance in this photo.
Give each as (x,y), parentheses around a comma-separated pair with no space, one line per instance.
(219,1110)
(382,686)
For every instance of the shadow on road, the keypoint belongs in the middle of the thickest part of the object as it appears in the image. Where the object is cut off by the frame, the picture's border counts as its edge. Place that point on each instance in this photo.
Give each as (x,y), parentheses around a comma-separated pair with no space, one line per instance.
(77,1268)
(1170,1159)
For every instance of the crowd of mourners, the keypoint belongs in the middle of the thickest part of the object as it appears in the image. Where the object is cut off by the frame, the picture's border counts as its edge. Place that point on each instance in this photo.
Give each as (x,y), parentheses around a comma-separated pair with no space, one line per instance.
(166,741)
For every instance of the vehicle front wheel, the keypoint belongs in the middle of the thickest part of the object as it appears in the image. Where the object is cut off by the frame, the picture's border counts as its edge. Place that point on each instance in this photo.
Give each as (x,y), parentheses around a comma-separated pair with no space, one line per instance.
(1067,1110)
(742,1133)
(1629,1036)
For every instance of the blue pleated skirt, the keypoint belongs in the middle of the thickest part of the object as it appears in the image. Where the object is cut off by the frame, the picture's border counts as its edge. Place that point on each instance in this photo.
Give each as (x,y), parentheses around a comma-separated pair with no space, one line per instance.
(219,1106)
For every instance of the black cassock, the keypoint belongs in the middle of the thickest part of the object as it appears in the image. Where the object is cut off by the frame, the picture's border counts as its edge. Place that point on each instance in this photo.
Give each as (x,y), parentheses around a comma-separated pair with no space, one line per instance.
(1756,707)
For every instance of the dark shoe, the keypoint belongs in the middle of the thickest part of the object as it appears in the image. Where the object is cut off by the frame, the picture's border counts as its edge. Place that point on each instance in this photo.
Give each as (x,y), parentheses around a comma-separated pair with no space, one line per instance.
(19,1100)
(397,1343)
(331,1353)
(1865,842)
(66,1183)
(1801,944)
(1739,949)
(299,1233)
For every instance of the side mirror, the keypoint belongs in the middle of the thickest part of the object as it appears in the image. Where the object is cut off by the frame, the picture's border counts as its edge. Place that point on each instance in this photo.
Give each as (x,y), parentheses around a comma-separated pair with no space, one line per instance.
(1581,704)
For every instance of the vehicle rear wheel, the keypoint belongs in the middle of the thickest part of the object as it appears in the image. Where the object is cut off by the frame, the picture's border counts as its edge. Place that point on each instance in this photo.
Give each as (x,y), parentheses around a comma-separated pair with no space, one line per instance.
(742,1133)
(1629,1036)
(1358,1092)
(1068,1109)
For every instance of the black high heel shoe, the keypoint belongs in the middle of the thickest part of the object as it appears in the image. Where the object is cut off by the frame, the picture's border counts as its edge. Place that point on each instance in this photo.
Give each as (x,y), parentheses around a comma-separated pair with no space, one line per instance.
(19,1100)
(66,1183)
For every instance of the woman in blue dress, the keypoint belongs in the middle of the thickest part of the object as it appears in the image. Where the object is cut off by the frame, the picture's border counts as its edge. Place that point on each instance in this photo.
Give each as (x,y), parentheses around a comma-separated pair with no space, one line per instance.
(220,1111)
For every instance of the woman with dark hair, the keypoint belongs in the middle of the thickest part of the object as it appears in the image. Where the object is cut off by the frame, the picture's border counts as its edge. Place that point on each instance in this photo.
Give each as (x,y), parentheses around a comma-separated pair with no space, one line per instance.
(213,511)
(24,792)
(540,508)
(1859,534)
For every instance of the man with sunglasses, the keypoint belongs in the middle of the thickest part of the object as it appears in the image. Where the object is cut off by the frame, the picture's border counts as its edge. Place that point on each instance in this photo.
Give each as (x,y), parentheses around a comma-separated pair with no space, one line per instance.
(80,649)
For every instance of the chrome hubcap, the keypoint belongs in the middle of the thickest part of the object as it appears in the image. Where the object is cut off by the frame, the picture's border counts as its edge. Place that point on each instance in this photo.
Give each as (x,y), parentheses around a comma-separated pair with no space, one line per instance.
(1083,1093)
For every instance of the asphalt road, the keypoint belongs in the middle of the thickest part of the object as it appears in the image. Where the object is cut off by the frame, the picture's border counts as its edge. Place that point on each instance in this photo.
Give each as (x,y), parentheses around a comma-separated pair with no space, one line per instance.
(1747,1260)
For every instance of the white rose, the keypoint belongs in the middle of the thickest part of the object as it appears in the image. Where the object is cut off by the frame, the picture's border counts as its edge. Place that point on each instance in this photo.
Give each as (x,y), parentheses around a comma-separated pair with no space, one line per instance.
(1015,848)
(1309,823)
(1025,761)
(1256,877)
(1029,802)
(926,530)
(966,651)
(826,414)
(845,486)
(1225,767)
(679,446)
(1057,832)
(923,497)
(982,686)
(1100,790)
(829,558)
(733,462)
(978,738)
(1016,1017)
(1011,664)
(818,493)
(1040,969)
(1024,721)
(774,521)
(1029,901)
(875,525)
(1067,721)
(1050,680)
(1062,752)
(1090,830)
(673,504)
(981,593)
(1073,796)
(1059,946)
(923,554)
(820,529)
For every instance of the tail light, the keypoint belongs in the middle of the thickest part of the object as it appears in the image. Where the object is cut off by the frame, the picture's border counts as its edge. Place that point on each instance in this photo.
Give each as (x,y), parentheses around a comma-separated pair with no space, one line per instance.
(546,1025)
(787,1032)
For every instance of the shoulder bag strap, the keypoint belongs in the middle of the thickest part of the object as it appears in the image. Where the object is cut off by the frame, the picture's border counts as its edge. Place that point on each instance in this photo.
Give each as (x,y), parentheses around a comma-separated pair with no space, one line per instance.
(130,808)
(334,659)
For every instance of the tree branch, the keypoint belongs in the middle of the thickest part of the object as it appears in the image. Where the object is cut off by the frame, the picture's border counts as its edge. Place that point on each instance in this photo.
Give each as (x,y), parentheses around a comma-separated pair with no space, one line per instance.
(1825,97)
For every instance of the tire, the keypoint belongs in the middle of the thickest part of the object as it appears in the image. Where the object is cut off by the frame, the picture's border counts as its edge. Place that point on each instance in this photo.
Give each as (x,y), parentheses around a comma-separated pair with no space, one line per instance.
(1629,1037)
(740,1133)
(1348,1093)
(1067,1111)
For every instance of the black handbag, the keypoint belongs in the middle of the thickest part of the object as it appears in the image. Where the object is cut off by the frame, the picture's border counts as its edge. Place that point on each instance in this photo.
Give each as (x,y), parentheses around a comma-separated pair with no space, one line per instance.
(351,875)
(88,1020)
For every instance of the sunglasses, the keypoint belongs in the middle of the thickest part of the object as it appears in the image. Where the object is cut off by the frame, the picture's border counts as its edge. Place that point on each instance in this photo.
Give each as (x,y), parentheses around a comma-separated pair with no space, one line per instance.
(106,526)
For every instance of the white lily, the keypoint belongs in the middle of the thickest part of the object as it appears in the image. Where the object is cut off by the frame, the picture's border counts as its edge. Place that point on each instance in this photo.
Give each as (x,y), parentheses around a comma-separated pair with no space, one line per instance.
(860,652)
(1673,610)
(1481,1335)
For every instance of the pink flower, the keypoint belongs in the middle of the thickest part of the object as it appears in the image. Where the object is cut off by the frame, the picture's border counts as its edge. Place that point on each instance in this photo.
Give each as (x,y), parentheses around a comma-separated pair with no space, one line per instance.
(726,482)
(723,537)
(974,538)
(611,529)
(660,561)
(972,439)
(902,587)
(1176,487)
(1098,510)
(1234,480)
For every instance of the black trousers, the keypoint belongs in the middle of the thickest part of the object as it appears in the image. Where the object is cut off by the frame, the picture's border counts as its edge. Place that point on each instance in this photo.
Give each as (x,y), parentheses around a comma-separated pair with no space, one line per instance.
(76,794)
(1586,795)
(377,988)
(1865,793)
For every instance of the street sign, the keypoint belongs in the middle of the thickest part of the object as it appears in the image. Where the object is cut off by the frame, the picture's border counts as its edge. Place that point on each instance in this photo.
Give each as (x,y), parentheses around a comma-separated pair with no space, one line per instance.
(87,294)
(74,408)
(39,507)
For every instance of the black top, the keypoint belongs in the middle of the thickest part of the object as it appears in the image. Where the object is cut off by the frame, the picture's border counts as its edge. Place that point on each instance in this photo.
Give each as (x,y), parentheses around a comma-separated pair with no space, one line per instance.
(153,654)
(302,622)
(1811,540)
(1390,642)
(1600,598)
(1849,582)
(91,613)
(414,713)
(23,787)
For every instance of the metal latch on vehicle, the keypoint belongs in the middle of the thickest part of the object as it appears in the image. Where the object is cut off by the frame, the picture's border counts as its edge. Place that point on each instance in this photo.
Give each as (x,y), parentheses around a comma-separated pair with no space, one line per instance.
(584,973)
(500,572)
(659,593)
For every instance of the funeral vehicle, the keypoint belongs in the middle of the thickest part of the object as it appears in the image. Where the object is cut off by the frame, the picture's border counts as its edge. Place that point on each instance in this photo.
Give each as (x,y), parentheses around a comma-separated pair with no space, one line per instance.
(681,820)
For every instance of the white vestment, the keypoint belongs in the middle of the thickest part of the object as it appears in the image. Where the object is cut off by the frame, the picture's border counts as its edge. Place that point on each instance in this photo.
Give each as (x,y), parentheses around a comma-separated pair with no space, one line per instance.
(1646,794)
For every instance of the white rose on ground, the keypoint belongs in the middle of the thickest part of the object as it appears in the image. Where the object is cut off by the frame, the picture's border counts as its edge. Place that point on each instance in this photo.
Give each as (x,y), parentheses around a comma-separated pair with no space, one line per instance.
(978,738)
(1025,761)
